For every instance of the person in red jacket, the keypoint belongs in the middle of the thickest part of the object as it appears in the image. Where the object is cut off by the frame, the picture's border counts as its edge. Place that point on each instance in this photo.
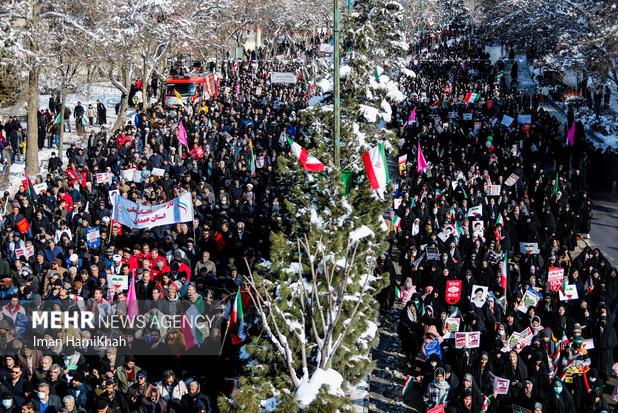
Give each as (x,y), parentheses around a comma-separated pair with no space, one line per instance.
(63,196)
(129,259)
(72,175)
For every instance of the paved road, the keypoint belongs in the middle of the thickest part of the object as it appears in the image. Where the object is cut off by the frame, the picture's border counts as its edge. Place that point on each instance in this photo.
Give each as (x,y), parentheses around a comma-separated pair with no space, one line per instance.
(604,228)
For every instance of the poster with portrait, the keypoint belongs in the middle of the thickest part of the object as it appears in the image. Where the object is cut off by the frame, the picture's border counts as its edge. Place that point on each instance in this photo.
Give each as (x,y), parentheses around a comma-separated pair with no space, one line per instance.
(478,229)
(479,295)
(530,299)
(451,326)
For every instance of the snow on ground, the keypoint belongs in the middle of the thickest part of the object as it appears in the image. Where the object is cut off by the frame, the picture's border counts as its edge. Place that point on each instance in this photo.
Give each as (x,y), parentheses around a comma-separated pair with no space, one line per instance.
(105,92)
(308,389)
(601,130)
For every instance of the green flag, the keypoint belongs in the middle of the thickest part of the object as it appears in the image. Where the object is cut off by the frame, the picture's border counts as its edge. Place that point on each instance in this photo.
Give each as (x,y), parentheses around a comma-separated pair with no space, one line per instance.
(555,190)
(346,181)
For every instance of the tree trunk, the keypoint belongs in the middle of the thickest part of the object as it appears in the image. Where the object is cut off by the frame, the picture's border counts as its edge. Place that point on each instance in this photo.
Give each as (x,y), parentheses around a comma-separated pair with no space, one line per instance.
(122,113)
(32,140)
(145,80)
(61,131)
(125,87)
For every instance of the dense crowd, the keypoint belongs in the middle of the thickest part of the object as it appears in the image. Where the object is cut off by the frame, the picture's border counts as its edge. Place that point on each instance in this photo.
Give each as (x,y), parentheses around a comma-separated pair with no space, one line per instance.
(52,264)
(501,205)
(233,142)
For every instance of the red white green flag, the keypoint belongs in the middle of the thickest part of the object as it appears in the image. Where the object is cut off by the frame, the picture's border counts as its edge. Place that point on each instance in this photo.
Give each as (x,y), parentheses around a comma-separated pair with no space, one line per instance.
(237,318)
(376,167)
(504,272)
(472,97)
(308,162)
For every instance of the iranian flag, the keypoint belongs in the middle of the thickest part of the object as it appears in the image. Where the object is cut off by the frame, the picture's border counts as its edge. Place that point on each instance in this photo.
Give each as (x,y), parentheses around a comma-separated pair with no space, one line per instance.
(407,385)
(376,167)
(237,318)
(472,97)
(251,159)
(500,220)
(474,211)
(504,269)
(458,228)
(396,221)
(403,159)
(439,194)
(308,162)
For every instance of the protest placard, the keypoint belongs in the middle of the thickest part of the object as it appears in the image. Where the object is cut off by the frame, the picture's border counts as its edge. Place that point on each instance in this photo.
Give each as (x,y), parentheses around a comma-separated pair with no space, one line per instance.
(511,180)
(118,281)
(555,275)
(451,326)
(507,120)
(470,339)
(529,248)
(569,293)
(493,190)
(433,254)
(40,188)
(93,237)
(500,384)
(530,299)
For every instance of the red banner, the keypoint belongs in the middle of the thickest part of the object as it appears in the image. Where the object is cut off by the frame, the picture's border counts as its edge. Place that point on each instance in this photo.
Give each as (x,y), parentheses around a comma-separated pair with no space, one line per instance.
(23,226)
(453,291)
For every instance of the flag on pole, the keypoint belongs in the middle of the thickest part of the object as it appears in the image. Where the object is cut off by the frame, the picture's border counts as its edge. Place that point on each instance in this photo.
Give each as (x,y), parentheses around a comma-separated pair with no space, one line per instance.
(421,164)
(486,403)
(555,189)
(251,159)
(28,186)
(500,220)
(570,141)
(376,167)
(504,268)
(397,293)
(439,194)
(132,307)
(403,159)
(237,318)
(58,119)
(472,97)
(396,221)
(458,228)
(179,98)
(309,163)
(411,118)
(182,135)
(407,385)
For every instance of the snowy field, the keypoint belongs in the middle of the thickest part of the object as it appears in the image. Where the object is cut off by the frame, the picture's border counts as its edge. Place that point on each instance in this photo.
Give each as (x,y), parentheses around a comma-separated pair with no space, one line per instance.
(105,92)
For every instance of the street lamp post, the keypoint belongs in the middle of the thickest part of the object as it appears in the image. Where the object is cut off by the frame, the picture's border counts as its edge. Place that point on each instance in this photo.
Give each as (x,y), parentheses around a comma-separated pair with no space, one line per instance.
(337,86)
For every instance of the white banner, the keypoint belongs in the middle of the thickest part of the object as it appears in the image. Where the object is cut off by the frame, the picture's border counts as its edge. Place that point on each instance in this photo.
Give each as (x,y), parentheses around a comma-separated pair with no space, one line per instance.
(287,78)
(133,215)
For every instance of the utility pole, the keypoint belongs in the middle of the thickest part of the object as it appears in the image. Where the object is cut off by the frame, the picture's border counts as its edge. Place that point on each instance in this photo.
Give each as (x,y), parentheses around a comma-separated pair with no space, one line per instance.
(337,86)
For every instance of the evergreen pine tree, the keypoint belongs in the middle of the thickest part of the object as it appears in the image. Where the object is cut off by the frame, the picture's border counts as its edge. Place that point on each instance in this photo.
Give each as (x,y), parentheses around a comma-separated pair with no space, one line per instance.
(314,301)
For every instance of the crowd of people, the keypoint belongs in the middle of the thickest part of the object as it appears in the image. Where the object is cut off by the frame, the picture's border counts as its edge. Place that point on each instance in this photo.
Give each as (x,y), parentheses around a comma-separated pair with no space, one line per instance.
(53,264)
(502,308)
(455,225)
